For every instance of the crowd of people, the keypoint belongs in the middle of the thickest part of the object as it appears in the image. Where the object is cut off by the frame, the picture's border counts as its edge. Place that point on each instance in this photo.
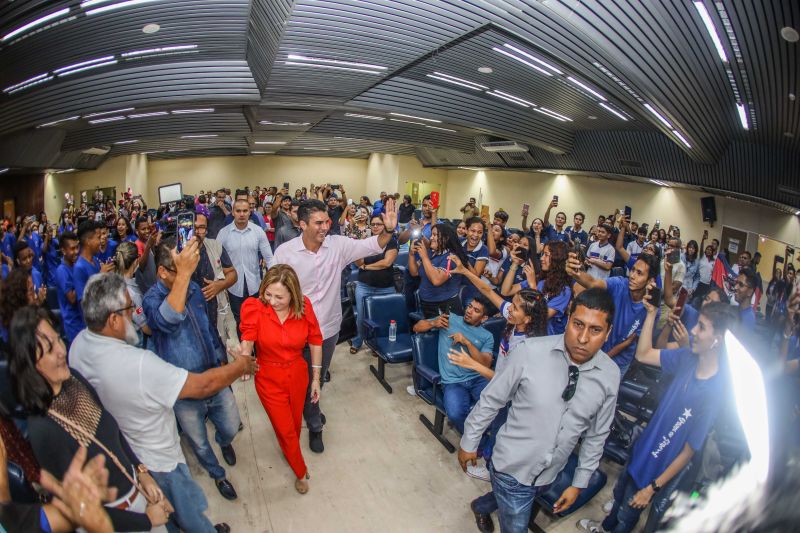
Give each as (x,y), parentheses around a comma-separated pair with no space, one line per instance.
(151,322)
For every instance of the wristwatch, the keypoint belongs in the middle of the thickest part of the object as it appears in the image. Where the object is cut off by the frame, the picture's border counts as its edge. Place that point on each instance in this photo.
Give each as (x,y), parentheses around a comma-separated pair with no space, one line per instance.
(654,486)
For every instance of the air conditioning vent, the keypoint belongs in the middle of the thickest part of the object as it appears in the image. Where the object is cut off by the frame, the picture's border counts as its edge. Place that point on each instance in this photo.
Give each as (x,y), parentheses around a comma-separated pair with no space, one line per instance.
(517,158)
(504,146)
(630,163)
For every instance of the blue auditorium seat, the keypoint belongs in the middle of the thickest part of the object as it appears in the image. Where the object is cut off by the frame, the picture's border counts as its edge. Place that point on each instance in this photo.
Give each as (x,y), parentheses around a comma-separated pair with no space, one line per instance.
(378,312)
(51,299)
(402,259)
(427,382)
(495,326)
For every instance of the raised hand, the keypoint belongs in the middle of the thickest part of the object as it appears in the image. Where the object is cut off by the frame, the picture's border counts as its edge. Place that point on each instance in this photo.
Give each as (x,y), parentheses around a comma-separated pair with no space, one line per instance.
(455,264)
(390,216)
(186,261)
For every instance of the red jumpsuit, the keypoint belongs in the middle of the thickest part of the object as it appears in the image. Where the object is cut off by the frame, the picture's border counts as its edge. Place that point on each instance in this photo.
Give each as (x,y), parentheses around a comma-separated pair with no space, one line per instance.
(282,378)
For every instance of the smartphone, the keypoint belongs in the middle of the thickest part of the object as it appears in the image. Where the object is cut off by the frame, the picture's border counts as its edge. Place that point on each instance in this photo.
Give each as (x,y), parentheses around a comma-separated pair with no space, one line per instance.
(349,201)
(658,223)
(628,212)
(674,256)
(555,198)
(286,185)
(522,254)
(525,209)
(683,295)
(435,200)
(416,233)
(335,187)
(705,234)
(655,296)
(185,229)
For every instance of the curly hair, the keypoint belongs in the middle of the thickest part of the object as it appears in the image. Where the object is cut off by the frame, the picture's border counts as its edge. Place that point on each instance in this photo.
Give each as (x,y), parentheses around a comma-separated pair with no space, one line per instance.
(14,294)
(535,306)
(556,277)
(448,242)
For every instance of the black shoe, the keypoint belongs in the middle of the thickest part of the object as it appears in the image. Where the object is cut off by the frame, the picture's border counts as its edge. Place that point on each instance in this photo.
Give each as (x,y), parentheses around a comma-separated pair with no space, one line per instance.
(222,528)
(229,455)
(226,489)
(241,426)
(483,521)
(322,418)
(327,376)
(315,441)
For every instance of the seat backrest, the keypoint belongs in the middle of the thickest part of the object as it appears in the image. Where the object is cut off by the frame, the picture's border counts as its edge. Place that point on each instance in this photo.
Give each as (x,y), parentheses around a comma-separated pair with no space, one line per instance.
(402,259)
(495,326)
(617,272)
(51,298)
(425,349)
(386,307)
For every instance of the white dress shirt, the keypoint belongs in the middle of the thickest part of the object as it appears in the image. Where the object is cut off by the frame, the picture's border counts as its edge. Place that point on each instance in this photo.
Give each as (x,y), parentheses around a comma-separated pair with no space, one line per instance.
(243,247)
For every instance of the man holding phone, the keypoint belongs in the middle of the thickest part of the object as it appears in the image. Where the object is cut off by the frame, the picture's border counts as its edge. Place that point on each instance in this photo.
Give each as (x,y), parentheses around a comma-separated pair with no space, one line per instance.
(470,210)
(554,232)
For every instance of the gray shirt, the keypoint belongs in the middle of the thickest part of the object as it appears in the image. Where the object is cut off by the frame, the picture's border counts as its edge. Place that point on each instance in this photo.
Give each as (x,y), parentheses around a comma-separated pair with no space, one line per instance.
(542,429)
(285,233)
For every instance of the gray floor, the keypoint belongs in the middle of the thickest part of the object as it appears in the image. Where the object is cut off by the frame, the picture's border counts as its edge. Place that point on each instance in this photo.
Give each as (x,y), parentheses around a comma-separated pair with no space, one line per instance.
(381,471)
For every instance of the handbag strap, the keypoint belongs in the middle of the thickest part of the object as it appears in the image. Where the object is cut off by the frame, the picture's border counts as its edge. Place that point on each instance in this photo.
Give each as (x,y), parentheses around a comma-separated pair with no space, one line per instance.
(76,427)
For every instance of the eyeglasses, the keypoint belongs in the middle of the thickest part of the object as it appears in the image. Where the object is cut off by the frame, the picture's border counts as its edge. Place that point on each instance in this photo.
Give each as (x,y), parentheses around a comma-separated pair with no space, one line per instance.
(197,227)
(376,224)
(740,284)
(572,384)
(120,311)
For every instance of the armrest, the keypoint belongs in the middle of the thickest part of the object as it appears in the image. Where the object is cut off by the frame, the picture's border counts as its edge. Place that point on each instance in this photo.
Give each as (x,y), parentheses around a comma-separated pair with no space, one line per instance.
(429,374)
(371,329)
(415,316)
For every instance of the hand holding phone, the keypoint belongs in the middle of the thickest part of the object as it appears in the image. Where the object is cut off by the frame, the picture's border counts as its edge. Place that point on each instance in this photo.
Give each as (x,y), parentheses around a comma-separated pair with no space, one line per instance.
(655,296)
(674,257)
(683,295)
(526,209)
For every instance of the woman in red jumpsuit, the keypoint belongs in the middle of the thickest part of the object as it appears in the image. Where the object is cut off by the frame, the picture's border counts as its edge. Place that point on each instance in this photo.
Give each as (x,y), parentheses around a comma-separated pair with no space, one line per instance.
(280,322)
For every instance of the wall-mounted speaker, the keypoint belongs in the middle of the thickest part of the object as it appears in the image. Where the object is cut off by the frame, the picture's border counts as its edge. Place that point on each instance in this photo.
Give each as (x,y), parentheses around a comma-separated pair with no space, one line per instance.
(709,208)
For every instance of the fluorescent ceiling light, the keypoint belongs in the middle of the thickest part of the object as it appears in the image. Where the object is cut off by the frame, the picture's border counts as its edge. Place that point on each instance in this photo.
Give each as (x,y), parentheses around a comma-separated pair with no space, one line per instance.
(512,56)
(296,64)
(318,149)
(797,213)
(115,112)
(614,111)
(511,98)
(64,171)
(557,115)
(269,142)
(57,122)
(151,114)
(458,81)
(259,152)
(545,64)
(406,121)
(681,138)
(712,31)
(111,7)
(658,182)
(4,170)
(189,111)
(545,113)
(109,119)
(30,82)
(296,57)
(126,142)
(160,50)
(34,23)
(416,118)
(438,128)
(359,115)
(201,136)
(743,116)
(658,115)
(586,88)
(86,65)
(282,123)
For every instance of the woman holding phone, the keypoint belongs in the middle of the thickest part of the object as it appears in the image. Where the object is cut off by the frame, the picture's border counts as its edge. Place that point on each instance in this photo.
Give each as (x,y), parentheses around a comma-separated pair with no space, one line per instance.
(439,288)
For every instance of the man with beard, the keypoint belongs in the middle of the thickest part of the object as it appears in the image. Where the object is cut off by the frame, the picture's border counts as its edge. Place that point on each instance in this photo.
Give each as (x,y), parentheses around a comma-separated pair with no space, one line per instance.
(183,336)
(140,390)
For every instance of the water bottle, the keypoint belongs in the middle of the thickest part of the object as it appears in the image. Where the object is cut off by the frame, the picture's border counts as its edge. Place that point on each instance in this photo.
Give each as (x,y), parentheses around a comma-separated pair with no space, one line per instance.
(392,331)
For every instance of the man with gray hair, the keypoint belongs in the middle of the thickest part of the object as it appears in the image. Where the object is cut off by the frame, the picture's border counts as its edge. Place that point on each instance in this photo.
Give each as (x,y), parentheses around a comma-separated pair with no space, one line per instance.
(140,390)
(183,335)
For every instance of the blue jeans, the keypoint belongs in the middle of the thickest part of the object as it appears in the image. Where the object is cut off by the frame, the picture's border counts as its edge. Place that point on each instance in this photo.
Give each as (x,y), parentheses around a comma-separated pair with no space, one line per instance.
(460,397)
(187,498)
(222,411)
(362,291)
(623,518)
(514,501)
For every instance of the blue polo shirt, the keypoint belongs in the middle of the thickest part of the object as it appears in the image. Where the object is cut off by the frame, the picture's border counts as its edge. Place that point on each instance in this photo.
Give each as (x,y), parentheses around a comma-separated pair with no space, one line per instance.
(519,275)
(477,335)
(431,293)
(81,273)
(684,416)
(71,314)
(580,237)
(111,249)
(553,234)
(628,319)
(480,253)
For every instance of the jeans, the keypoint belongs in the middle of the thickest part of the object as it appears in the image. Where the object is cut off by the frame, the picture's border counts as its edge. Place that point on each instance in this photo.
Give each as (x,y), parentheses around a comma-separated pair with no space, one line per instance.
(623,518)
(311,411)
(460,397)
(187,498)
(514,501)
(222,411)
(362,291)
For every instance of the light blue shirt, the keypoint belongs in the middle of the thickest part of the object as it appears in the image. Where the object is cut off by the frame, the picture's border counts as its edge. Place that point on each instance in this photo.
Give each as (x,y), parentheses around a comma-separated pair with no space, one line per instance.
(243,247)
(481,338)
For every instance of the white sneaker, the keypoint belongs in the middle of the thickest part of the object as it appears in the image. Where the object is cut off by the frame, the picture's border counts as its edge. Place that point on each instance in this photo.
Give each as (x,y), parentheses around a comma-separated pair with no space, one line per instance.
(592,526)
(411,390)
(478,472)
(608,506)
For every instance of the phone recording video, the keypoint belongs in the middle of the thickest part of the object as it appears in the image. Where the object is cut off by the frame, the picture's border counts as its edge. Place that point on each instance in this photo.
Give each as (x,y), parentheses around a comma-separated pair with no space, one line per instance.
(522,253)
(655,296)
(674,257)
(185,229)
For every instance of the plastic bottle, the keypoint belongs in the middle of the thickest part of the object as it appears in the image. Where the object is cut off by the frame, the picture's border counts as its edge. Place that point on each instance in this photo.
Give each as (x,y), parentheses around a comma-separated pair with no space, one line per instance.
(392,331)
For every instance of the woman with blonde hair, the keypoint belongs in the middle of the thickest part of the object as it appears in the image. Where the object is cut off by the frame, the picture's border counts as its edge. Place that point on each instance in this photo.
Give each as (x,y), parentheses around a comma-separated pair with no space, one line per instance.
(279,324)
(126,259)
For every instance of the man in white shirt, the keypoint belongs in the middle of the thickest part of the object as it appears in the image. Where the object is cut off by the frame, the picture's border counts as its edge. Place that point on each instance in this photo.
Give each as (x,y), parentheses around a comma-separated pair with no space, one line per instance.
(600,255)
(244,241)
(140,389)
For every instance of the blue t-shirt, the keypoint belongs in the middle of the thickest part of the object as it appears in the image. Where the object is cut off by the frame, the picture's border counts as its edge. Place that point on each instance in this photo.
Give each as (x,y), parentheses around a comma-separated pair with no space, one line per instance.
(7,244)
(71,314)
(51,262)
(480,253)
(431,293)
(4,270)
(35,242)
(81,273)
(628,319)
(689,318)
(629,267)
(37,278)
(748,317)
(478,336)
(685,415)
(111,249)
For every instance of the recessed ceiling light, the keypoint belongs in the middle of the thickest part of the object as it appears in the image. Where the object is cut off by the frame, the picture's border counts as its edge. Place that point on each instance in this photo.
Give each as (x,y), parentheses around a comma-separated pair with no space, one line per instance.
(681,138)
(586,88)
(416,118)
(712,31)
(111,7)
(34,23)
(485,70)
(545,64)
(658,115)
(4,170)
(790,34)
(359,115)
(109,119)
(523,61)
(30,82)
(457,81)
(614,111)
(114,112)
(742,115)
(85,65)
(152,114)
(592,117)
(57,122)
(163,50)
(151,28)
(797,213)
(511,98)
(792,97)
(127,142)
(269,142)
(202,136)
